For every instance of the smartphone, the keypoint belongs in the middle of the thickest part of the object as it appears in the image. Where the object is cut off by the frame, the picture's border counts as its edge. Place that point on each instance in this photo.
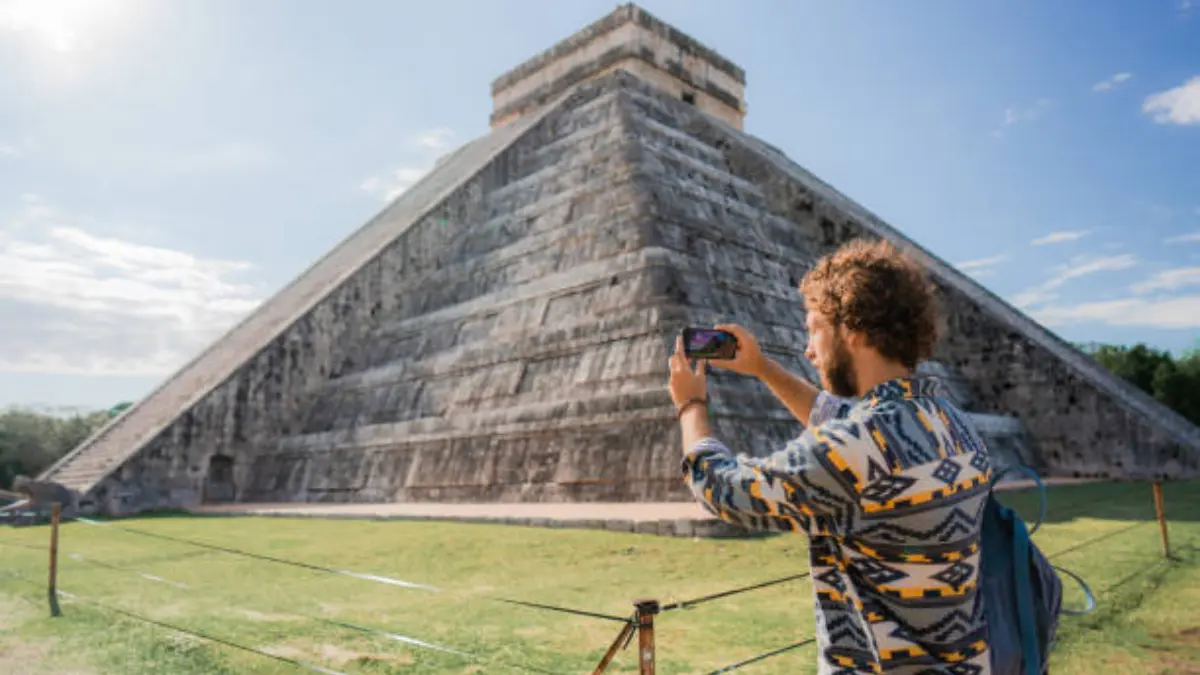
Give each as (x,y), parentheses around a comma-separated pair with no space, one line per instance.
(709,344)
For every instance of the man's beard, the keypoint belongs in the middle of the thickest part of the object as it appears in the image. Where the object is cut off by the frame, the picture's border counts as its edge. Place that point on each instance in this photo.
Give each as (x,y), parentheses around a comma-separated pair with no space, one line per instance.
(840,378)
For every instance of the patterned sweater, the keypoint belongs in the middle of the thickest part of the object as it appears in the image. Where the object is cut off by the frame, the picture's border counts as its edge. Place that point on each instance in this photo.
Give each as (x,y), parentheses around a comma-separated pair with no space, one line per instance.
(890,490)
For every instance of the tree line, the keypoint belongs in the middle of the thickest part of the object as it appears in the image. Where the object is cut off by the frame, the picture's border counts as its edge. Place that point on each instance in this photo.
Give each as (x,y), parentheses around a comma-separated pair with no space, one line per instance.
(30,441)
(1172,381)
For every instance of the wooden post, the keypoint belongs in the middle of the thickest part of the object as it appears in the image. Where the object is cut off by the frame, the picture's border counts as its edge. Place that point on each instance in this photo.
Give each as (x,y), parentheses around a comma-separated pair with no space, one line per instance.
(646,609)
(620,643)
(1160,511)
(52,591)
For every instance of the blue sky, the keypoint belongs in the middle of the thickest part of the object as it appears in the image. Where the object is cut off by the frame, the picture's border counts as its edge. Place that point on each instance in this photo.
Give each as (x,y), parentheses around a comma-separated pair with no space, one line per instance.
(166,165)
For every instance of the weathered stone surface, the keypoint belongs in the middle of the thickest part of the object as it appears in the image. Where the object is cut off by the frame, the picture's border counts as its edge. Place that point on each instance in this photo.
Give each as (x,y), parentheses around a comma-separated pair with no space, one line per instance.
(501,332)
(632,39)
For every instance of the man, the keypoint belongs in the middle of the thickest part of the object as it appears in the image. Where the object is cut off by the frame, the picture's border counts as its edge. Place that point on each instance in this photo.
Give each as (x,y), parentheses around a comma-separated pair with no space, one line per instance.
(888,482)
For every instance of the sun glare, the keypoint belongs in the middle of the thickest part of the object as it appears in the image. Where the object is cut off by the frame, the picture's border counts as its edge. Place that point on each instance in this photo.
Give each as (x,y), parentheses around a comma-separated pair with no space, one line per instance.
(56,22)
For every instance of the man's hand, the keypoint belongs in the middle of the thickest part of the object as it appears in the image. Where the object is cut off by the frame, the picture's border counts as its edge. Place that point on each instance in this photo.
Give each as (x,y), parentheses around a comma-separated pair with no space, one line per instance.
(689,385)
(686,384)
(749,359)
(794,392)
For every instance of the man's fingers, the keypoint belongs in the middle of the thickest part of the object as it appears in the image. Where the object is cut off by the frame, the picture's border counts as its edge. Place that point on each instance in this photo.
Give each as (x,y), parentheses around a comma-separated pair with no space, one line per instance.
(677,360)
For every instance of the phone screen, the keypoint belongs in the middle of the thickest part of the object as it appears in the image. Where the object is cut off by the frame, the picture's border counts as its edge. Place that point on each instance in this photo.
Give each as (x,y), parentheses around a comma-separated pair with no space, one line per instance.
(709,343)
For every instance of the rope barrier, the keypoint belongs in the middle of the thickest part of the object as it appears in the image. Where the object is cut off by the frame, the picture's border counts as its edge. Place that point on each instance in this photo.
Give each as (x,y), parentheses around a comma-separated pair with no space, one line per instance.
(763,657)
(196,634)
(358,575)
(24,546)
(688,604)
(1089,542)
(391,635)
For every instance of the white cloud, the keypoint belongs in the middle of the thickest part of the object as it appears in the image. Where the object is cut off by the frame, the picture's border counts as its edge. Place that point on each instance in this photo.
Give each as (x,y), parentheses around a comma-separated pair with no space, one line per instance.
(1191,238)
(435,139)
(1110,83)
(1177,312)
(1019,114)
(7,150)
(394,182)
(1080,266)
(1083,266)
(77,301)
(1033,296)
(1180,105)
(980,267)
(1169,280)
(1060,236)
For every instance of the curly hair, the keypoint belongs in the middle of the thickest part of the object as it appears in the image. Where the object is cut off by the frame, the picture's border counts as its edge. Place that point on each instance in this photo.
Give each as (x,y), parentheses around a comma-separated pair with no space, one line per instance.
(874,289)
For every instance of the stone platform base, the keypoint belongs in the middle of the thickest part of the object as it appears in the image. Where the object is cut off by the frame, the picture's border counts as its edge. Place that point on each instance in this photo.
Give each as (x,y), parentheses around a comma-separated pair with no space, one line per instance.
(672,519)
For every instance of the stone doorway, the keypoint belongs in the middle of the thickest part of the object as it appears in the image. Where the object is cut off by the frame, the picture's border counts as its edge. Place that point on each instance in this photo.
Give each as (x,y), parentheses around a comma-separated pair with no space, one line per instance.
(219,487)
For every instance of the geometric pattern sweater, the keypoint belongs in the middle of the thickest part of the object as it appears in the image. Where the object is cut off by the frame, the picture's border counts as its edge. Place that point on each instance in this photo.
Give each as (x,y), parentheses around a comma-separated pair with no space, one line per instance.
(889,488)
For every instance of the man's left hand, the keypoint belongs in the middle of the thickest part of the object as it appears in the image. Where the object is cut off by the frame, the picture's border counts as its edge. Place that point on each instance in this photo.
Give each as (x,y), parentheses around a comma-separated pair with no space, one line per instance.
(686,384)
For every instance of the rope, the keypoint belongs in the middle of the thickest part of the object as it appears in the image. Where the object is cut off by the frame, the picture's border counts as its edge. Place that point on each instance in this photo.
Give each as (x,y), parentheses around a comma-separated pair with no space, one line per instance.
(763,657)
(408,640)
(203,636)
(1094,540)
(687,604)
(24,546)
(358,575)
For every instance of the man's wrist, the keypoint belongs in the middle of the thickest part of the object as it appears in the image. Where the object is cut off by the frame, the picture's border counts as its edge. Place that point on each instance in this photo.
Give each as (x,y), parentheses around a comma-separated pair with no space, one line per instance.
(688,411)
(768,369)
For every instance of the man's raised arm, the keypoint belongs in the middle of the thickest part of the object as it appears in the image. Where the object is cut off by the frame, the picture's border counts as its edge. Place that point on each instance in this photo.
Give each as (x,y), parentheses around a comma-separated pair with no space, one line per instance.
(797,394)
(782,491)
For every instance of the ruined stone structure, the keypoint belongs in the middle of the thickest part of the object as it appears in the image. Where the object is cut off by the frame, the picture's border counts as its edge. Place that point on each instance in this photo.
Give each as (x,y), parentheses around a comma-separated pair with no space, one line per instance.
(500,332)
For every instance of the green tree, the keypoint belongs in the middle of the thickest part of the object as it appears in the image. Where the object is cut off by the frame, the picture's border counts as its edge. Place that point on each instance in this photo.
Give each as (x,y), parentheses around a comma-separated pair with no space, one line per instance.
(1174,382)
(31,441)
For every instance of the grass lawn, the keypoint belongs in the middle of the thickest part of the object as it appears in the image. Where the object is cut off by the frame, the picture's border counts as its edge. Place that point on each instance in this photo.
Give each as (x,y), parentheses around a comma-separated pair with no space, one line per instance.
(1148,619)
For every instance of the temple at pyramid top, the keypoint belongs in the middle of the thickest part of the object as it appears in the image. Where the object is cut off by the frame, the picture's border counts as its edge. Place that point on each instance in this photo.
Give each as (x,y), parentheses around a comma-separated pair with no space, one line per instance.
(631,39)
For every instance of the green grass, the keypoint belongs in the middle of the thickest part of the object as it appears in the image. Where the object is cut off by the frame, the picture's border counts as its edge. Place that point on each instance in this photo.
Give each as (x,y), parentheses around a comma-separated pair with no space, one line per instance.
(1148,620)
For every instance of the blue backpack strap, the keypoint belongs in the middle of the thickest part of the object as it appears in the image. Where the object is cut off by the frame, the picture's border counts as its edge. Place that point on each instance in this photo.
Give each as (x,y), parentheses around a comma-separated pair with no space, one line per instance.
(1025,612)
(1041,492)
(1087,592)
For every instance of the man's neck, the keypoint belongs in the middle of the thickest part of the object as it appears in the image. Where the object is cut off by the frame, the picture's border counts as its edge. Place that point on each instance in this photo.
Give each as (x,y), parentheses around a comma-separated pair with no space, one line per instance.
(871,375)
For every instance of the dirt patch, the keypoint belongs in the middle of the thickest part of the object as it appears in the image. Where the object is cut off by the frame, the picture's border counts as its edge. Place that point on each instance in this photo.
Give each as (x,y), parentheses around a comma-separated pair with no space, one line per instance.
(532,631)
(261,616)
(14,612)
(14,652)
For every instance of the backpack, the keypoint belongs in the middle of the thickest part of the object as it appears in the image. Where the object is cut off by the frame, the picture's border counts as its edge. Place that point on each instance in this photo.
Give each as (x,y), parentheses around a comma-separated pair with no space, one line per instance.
(1022,594)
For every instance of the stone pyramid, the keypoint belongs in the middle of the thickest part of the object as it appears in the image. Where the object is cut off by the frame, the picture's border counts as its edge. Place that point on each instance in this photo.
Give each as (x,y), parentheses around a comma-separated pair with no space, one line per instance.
(500,332)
